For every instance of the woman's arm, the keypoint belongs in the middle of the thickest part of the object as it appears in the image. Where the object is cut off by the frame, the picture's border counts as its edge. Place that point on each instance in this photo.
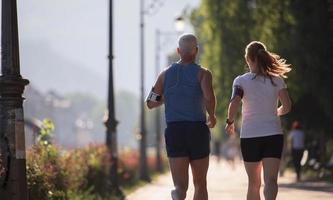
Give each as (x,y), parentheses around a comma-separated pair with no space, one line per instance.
(158,89)
(233,107)
(232,111)
(285,102)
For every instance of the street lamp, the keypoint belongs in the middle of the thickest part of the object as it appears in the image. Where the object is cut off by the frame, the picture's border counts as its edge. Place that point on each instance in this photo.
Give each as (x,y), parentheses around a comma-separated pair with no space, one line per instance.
(143,167)
(12,142)
(111,122)
(179,26)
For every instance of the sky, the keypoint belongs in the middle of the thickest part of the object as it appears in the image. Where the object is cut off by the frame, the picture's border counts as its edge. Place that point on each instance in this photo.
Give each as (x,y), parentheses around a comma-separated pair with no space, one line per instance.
(78,30)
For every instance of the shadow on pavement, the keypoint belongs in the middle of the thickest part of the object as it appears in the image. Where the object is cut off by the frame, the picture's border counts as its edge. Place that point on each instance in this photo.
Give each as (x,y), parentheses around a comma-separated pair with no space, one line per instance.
(311,186)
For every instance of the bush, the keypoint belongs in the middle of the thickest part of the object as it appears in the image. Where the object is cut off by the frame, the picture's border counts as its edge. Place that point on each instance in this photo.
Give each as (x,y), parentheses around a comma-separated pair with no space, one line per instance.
(53,174)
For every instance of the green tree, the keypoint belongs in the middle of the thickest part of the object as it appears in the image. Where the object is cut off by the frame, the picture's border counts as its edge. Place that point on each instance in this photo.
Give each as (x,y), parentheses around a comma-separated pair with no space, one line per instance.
(300,31)
(222,28)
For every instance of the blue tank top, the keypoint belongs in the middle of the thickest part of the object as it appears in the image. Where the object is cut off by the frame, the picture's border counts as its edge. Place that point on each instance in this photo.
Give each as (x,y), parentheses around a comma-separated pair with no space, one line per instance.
(183,98)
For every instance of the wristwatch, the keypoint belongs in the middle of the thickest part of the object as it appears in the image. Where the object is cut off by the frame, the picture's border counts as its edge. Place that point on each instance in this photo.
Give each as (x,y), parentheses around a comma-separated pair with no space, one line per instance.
(229,122)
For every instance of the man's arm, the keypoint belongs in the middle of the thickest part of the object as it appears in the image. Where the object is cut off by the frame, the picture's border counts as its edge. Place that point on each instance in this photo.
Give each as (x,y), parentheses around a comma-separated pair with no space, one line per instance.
(209,96)
(158,89)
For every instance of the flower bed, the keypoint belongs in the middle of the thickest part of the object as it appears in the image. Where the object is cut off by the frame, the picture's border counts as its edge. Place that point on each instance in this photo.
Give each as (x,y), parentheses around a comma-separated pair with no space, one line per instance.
(80,174)
(77,174)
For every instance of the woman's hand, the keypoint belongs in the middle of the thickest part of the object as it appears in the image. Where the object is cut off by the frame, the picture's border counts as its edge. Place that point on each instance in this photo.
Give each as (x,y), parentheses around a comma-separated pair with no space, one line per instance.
(230,128)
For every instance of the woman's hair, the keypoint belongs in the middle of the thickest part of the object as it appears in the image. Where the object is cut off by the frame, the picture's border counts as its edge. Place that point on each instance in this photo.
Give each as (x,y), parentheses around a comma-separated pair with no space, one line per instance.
(268,64)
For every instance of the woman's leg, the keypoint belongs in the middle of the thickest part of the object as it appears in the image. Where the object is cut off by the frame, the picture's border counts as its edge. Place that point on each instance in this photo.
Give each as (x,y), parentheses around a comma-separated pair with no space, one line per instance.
(199,171)
(271,170)
(253,170)
(179,170)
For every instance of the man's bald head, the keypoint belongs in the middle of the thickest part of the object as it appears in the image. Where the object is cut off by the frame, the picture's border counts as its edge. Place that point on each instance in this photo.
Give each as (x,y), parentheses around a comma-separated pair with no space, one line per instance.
(188,44)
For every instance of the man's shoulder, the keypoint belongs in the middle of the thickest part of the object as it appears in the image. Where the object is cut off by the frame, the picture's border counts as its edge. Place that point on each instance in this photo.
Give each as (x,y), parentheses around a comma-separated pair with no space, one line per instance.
(204,72)
(167,70)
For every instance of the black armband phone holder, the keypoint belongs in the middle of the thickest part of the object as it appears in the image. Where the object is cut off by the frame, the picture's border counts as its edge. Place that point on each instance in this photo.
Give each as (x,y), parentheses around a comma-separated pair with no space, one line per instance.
(237,91)
(152,96)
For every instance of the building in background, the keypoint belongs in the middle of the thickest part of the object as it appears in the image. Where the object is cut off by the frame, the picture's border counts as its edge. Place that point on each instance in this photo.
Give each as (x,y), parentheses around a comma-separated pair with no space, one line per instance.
(78,118)
(73,127)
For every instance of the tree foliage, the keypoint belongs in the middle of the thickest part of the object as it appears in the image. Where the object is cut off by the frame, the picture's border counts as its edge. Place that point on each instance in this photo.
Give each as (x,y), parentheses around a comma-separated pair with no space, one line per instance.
(300,31)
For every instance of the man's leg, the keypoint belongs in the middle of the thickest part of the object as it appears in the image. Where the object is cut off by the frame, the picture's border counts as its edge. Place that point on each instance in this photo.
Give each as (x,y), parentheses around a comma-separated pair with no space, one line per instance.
(271,171)
(253,170)
(179,170)
(199,171)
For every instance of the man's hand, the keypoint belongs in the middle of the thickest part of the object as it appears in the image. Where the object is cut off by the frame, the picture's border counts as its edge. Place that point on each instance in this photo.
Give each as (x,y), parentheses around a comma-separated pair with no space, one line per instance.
(230,128)
(211,121)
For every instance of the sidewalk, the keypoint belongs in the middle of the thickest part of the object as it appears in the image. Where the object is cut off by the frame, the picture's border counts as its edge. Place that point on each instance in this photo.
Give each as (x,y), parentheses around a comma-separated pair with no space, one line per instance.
(231,184)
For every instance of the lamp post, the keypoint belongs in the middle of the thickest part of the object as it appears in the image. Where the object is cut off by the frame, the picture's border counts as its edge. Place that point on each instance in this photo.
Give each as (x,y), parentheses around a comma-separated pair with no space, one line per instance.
(159,165)
(12,142)
(179,26)
(158,35)
(111,122)
(143,167)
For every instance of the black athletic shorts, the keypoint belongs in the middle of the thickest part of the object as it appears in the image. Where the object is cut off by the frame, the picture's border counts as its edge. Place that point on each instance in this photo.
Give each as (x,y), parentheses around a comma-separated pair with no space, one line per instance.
(187,139)
(257,148)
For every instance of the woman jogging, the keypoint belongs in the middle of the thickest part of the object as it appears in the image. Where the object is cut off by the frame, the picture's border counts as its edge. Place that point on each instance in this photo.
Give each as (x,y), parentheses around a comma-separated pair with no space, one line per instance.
(261,134)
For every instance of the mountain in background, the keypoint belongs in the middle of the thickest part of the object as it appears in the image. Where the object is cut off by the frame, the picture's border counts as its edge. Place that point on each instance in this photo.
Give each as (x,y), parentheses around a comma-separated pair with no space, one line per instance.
(49,70)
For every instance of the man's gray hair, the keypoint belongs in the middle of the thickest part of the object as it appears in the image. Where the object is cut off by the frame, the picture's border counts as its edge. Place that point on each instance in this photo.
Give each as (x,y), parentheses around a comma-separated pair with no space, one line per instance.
(187,43)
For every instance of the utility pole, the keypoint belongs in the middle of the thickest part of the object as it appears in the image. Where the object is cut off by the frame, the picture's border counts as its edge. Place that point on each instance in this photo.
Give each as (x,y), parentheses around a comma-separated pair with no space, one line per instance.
(159,162)
(12,142)
(179,25)
(143,167)
(111,123)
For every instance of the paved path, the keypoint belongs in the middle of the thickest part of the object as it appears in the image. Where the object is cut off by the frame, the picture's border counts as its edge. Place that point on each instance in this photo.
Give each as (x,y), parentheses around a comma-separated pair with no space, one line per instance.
(231,184)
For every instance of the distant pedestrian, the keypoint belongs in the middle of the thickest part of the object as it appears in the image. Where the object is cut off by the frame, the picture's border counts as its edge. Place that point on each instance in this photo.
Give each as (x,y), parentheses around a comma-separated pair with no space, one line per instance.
(261,134)
(297,147)
(217,145)
(217,149)
(231,150)
(186,90)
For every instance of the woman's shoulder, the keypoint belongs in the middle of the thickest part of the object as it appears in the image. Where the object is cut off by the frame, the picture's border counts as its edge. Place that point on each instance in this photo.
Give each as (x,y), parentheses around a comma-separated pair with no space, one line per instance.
(279,81)
(278,78)
(244,76)
(240,79)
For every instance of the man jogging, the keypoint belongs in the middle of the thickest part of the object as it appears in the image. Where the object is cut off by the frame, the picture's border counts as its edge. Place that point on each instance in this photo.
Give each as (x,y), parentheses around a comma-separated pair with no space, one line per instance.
(185,88)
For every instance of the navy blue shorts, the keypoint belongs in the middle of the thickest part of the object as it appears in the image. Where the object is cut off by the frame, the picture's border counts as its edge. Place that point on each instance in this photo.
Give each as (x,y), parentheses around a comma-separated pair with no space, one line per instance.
(187,139)
(257,148)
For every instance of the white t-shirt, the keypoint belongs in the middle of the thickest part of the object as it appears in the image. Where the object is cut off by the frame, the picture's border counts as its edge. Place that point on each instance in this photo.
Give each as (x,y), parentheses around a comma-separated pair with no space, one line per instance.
(297,137)
(260,102)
